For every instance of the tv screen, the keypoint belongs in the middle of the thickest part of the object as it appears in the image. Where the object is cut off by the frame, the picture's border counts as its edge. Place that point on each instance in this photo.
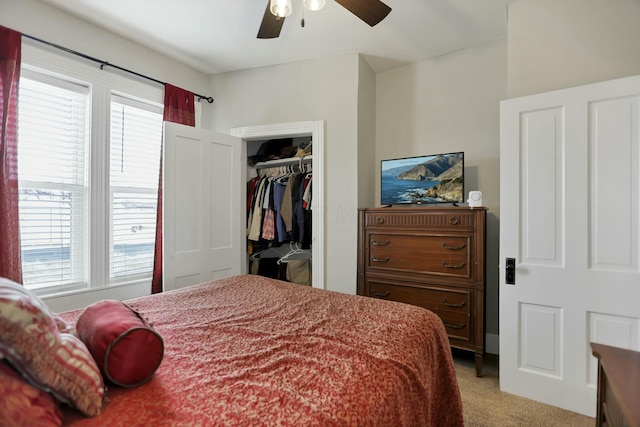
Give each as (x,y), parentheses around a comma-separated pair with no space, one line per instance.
(435,178)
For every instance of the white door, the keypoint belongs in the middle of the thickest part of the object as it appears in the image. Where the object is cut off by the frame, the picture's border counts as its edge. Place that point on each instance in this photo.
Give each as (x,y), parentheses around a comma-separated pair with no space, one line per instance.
(203,205)
(569,201)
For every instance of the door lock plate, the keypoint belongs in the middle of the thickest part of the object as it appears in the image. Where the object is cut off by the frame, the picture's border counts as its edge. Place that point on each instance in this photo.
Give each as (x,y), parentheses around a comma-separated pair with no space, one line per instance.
(510,276)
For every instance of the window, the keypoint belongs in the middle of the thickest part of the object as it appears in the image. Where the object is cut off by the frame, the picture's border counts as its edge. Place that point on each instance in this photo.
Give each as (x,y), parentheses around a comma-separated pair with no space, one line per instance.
(52,143)
(88,162)
(135,157)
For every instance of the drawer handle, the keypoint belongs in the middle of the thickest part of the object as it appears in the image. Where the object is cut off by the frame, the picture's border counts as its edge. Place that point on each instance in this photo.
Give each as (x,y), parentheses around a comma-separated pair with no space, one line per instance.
(454,248)
(460,326)
(448,304)
(453,220)
(374,259)
(379,219)
(385,243)
(379,294)
(454,267)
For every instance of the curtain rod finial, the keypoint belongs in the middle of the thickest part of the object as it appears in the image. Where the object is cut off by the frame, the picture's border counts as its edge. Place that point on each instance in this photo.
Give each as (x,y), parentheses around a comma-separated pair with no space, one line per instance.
(209,99)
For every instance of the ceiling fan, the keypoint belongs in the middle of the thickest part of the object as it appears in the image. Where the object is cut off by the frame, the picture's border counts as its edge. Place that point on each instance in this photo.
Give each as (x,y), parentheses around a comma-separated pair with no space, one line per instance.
(370,11)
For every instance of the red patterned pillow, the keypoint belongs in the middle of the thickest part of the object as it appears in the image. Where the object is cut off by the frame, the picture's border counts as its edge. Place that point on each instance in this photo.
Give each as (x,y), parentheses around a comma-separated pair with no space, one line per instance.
(22,404)
(54,361)
(125,346)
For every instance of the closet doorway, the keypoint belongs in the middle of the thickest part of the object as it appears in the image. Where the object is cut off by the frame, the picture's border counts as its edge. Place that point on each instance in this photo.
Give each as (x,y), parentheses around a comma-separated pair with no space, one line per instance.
(314,130)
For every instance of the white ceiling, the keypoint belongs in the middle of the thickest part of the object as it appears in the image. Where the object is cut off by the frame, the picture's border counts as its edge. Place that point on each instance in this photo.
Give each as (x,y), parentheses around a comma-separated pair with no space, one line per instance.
(216,36)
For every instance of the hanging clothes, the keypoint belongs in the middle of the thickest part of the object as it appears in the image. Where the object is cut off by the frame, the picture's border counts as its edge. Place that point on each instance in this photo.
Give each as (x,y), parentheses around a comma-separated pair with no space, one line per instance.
(286,210)
(278,206)
(278,196)
(256,218)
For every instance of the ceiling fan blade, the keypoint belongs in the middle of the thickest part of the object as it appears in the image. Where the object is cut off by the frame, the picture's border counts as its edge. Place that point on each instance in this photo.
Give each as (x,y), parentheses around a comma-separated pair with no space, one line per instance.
(271,25)
(370,11)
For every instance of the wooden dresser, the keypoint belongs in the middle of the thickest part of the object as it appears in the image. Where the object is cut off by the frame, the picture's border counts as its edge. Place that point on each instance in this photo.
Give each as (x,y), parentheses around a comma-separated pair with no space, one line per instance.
(618,386)
(432,257)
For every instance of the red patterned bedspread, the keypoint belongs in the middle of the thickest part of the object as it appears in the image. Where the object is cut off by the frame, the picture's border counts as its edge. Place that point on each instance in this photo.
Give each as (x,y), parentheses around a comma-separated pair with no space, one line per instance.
(252,351)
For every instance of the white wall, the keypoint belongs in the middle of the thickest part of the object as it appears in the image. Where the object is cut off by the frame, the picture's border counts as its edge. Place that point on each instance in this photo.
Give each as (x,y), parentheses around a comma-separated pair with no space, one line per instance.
(40,20)
(325,89)
(366,135)
(450,103)
(556,44)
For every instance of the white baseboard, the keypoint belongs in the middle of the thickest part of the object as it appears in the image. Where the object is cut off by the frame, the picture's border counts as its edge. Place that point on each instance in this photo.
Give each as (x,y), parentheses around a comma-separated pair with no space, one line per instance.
(492,343)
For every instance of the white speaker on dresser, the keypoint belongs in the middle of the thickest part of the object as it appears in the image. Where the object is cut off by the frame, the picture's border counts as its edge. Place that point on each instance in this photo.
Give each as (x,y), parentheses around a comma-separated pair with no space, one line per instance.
(475,199)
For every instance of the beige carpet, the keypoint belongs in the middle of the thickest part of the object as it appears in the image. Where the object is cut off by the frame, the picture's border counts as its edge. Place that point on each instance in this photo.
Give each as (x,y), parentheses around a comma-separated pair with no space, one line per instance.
(486,406)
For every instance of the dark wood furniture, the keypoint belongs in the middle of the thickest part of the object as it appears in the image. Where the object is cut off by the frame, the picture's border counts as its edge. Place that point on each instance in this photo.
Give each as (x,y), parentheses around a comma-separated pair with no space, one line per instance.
(618,386)
(432,257)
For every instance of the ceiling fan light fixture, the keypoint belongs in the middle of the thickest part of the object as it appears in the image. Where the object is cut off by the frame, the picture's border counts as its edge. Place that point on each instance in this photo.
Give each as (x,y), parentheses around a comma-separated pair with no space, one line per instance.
(314,4)
(281,8)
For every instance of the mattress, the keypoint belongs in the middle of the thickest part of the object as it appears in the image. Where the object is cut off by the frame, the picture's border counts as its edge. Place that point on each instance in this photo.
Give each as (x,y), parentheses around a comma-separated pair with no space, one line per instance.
(254,351)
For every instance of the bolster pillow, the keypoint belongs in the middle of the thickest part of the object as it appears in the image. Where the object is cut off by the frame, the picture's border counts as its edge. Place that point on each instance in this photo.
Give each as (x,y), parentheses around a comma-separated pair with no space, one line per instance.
(125,347)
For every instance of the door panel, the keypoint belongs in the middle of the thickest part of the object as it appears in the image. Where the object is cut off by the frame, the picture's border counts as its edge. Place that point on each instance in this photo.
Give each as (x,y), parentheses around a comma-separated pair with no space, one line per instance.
(184,161)
(617,331)
(540,346)
(542,185)
(221,183)
(613,147)
(203,192)
(569,215)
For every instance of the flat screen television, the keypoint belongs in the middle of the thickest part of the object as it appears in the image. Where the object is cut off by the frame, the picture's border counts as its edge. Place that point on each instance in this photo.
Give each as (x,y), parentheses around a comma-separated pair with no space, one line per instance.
(437,178)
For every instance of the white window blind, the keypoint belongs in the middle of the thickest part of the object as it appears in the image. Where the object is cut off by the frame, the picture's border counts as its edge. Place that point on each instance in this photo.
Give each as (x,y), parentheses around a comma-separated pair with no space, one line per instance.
(136,135)
(53,184)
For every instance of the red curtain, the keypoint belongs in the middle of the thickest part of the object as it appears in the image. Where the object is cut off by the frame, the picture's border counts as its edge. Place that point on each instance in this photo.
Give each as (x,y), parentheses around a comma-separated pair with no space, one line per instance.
(179,108)
(10,53)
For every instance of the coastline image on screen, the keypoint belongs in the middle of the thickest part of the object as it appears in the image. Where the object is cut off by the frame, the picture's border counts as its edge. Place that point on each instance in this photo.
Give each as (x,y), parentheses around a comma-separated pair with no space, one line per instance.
(435,178)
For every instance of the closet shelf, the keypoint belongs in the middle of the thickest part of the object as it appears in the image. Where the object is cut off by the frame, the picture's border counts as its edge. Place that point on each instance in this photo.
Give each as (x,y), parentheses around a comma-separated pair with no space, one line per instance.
(284,162)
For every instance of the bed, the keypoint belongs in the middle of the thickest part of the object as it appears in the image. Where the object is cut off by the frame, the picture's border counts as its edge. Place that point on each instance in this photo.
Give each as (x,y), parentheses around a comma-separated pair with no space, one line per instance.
(249,350)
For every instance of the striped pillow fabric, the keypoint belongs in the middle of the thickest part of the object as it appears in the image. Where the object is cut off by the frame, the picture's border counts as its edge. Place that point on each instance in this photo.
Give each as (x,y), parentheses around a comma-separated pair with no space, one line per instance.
(54,361)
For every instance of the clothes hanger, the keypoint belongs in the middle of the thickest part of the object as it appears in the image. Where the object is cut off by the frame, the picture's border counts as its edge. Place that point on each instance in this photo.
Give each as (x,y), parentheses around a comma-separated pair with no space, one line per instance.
(295,249)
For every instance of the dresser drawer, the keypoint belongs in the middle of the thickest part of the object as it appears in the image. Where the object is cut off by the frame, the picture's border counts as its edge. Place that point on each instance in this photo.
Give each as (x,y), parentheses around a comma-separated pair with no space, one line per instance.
(457,220)
(453,306)
(435,299)
(456,324)
(441,255)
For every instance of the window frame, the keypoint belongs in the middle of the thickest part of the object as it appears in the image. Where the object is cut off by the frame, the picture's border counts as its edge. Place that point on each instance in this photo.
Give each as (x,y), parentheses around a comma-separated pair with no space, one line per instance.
(103,84)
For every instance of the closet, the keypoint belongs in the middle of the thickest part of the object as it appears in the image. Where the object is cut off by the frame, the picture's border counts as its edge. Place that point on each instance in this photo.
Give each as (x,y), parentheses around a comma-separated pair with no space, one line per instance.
(279,211)
(205,201)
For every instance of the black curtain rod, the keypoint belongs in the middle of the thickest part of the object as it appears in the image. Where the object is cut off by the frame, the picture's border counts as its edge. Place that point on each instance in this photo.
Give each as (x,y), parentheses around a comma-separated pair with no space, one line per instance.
(103,64)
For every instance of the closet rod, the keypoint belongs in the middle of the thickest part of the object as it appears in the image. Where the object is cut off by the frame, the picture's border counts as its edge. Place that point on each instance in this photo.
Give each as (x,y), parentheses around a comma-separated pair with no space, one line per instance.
(103,64)
(283,162)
